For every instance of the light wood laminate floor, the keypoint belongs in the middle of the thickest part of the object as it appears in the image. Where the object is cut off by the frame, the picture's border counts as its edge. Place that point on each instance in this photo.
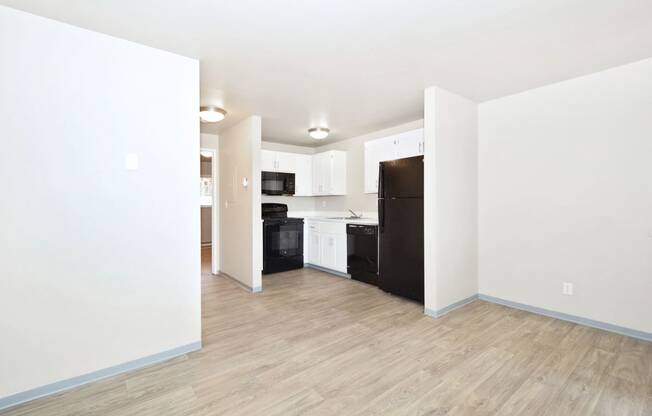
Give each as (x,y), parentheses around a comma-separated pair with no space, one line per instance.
(315,344)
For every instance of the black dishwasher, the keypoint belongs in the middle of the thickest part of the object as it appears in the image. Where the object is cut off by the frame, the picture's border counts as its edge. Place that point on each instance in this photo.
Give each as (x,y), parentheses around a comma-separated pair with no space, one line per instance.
(362,252)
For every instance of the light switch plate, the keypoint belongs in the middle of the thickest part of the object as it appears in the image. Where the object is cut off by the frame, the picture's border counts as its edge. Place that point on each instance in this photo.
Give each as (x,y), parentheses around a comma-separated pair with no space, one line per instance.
(131,161)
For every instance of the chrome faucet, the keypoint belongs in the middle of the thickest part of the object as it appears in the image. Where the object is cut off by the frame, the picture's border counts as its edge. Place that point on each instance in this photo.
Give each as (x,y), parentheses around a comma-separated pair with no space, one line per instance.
(354,214)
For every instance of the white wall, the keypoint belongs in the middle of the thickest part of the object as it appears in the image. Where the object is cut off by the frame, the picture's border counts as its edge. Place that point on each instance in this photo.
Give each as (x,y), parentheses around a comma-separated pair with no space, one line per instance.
(294,203)
(241,227)
(451,186)
(99,266)
(566,196)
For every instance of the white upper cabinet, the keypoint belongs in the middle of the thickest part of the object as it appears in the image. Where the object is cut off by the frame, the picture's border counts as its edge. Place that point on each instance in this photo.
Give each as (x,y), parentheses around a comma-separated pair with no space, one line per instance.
(329,173)
(407,144)
(376,151)
(268,161)
(319,174)
(286,162)
(271,161)
(318,180)
(303,175)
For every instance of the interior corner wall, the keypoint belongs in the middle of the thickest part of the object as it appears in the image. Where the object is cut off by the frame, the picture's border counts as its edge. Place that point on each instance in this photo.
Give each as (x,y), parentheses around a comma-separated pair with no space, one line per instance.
(91,254)
(566,196)
(240,216)
(450,199)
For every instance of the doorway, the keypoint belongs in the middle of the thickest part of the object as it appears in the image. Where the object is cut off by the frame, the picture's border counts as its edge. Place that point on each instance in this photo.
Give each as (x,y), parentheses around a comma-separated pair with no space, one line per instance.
(209,206)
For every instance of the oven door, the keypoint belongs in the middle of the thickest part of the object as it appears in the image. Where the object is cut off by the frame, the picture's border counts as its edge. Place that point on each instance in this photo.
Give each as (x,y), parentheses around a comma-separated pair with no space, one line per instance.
(282,245)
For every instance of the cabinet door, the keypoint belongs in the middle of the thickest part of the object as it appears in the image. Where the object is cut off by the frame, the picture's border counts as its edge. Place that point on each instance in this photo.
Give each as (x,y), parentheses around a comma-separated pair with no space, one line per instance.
(387,148)
(303,175)
(409,144)
(340,253)
(337,173)
(328,245)
(326,173)
(267,161)
(318,174)
(286,162)
(314,250)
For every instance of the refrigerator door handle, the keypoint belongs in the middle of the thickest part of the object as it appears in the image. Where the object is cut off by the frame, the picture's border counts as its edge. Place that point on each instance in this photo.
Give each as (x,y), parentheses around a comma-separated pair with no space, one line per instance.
(381,214)
(381,180)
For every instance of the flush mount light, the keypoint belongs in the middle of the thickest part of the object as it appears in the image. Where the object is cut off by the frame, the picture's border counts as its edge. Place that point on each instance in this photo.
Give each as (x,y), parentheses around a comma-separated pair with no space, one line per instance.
(318,133)
(211,113)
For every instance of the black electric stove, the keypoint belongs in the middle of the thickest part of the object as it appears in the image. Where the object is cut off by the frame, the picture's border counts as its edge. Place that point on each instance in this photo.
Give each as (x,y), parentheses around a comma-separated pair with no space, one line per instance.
(282,239)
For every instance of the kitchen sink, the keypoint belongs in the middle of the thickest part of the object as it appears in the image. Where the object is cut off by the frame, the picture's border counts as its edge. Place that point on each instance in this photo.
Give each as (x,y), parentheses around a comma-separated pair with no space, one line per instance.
(345,218)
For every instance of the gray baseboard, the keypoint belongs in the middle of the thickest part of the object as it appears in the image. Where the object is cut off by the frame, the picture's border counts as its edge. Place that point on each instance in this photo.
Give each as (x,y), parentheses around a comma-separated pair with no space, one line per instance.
(324,269)
(645,336)
(443,311)
(248,288)
(59,386)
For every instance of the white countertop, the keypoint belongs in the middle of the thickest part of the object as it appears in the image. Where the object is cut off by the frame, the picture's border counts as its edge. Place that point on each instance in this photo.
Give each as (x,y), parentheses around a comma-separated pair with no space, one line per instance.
(365,221)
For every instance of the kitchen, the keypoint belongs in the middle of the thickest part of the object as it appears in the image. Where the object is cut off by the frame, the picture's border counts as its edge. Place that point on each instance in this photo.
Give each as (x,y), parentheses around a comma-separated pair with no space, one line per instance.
(322,208)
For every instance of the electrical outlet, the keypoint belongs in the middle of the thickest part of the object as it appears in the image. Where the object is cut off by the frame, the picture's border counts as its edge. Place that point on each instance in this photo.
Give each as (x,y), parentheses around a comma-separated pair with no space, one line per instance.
(567,289)
(323,204)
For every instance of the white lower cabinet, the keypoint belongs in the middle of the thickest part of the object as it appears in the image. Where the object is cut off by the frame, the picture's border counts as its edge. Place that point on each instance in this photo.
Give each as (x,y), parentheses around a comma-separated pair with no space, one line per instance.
(313,253)
(327,245)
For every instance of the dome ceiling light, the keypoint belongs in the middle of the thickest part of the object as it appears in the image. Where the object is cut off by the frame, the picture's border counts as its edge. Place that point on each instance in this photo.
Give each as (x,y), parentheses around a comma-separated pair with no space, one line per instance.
(211,113)
(318,133)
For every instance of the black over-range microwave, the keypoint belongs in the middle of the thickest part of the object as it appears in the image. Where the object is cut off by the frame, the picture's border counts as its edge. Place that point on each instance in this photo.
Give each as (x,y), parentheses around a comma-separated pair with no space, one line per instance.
(277,183)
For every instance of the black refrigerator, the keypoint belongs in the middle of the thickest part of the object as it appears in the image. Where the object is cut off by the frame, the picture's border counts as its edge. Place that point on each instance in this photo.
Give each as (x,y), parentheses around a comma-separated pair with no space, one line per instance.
(400,227)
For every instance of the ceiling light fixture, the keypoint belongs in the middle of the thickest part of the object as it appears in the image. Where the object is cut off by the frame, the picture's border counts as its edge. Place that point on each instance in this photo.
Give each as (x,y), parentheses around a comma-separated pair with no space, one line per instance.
(211,113)
(318,133)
